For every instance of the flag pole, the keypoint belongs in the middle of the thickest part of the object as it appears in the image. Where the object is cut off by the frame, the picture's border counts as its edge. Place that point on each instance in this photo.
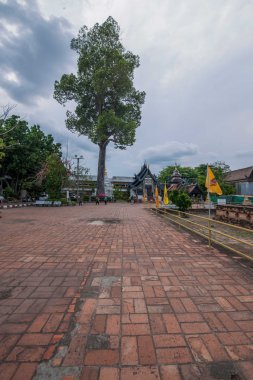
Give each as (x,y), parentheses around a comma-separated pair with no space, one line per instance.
(209,209)
(208,194)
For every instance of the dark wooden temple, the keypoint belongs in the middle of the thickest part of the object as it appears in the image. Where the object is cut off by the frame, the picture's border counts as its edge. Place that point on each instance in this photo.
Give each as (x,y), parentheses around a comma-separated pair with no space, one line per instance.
(145,182)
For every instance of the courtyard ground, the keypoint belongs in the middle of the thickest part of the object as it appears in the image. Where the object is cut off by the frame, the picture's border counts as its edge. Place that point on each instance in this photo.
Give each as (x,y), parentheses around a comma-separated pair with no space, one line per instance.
(113,292)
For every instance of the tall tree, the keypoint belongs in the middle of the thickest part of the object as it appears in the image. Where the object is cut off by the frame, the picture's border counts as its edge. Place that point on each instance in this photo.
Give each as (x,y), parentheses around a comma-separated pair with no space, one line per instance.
(108,106)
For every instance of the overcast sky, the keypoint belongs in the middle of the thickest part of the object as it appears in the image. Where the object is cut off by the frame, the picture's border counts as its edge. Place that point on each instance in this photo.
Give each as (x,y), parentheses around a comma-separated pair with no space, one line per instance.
(196,68)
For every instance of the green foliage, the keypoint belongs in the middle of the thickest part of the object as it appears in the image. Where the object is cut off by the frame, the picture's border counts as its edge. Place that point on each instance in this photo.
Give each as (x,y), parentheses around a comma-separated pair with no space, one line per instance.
(180,199)
(26,150)
(187,173)
(2,154)
(173,196)
(8,192)
(220,169)
(108,106)
(183,201)
(120,195)
(55,176)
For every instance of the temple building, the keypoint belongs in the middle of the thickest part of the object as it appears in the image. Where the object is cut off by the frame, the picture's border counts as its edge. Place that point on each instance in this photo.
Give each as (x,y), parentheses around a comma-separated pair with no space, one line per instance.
(144,183)
(177,182)
(242,179)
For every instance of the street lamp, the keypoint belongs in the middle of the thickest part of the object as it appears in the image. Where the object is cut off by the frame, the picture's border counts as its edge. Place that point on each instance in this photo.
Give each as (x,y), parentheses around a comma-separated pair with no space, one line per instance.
(77,158)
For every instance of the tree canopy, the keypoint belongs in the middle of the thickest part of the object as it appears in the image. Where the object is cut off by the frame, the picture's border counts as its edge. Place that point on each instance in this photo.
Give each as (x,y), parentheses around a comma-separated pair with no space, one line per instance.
(108,107)
(53,176)
(26,149)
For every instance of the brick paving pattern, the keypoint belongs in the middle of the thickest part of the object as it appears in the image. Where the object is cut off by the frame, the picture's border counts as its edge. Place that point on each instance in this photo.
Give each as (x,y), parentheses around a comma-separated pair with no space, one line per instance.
(132,298)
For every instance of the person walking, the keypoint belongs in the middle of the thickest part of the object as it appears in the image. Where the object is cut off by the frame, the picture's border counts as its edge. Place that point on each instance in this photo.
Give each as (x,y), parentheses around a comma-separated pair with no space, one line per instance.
(97,201)
(105,199)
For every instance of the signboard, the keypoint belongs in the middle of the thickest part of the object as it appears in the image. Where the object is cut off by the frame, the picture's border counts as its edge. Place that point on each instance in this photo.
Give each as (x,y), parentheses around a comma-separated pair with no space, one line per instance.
(221,201)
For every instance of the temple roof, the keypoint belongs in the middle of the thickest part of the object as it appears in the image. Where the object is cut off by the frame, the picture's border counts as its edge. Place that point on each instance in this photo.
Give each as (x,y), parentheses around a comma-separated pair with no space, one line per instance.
(244,174)
(144,172)
(176,177)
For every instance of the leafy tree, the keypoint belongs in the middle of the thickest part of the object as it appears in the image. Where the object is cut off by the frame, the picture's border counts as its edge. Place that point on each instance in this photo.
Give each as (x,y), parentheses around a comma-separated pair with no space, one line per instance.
(108,106)
(220,170)
(53,175)
(26,150)
(2,154)
(5,110)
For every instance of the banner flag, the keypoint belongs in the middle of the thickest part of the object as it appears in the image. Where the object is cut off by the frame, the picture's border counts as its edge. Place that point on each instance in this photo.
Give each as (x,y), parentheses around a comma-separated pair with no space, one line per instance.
(211,183)
(156,197)
(165,195)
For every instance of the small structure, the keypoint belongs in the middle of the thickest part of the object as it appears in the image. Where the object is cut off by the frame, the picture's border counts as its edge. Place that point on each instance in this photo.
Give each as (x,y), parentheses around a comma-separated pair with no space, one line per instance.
(177,182)
(242,179)
(145,183)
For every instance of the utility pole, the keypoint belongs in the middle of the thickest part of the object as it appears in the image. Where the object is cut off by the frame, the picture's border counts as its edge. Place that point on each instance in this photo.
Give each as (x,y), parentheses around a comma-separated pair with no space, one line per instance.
(77,158)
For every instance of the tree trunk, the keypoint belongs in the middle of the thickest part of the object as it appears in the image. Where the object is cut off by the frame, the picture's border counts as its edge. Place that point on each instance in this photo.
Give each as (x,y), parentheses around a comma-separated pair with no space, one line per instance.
(101,168)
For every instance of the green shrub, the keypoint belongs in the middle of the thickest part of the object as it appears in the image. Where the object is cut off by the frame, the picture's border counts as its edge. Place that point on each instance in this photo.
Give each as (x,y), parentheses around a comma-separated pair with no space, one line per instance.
(181,200)
(8,192)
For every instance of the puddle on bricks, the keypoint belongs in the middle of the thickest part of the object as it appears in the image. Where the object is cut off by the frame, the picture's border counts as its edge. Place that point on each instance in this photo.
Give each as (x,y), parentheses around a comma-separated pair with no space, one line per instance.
(101,222)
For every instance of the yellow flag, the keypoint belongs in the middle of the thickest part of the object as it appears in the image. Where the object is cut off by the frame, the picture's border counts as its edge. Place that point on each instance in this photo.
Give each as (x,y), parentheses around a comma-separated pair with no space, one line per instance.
(211,183)
(156,197)
(165,195)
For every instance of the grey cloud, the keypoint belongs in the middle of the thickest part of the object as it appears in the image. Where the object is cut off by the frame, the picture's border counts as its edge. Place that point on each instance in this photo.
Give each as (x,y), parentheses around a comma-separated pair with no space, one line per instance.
(244,154)
(77,144)
(169,152)
(35,49)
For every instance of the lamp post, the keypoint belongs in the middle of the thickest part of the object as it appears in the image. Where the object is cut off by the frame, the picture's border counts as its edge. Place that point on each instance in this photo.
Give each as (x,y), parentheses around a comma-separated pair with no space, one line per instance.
(77,158)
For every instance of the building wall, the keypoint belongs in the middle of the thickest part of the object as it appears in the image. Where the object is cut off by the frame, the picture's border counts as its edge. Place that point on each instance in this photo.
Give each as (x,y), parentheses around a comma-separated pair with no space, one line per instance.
(244,188)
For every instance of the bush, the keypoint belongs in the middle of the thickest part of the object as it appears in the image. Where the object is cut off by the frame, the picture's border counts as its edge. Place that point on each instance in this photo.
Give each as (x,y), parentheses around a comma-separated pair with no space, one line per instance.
(120,195)
(8,193)
(181,200)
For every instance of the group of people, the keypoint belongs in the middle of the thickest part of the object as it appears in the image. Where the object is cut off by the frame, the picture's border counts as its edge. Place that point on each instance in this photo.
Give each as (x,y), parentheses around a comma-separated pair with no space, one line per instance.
(98,200)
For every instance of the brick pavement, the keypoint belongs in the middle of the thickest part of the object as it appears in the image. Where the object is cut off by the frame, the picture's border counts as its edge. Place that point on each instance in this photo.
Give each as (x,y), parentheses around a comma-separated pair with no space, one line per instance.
(133,298)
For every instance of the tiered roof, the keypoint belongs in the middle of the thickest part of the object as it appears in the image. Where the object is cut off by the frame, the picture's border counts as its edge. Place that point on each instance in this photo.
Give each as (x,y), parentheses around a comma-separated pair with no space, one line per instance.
(139,178)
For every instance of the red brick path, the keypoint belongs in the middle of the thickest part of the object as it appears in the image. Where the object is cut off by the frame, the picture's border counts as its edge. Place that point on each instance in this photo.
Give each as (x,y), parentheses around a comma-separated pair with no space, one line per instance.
(131,299)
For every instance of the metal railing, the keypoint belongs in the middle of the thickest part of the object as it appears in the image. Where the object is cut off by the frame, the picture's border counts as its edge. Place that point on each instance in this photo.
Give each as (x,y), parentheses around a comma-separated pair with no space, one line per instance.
(207,231)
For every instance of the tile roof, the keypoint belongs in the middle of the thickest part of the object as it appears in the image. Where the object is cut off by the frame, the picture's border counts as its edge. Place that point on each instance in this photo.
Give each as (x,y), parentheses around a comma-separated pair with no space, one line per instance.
(240,174)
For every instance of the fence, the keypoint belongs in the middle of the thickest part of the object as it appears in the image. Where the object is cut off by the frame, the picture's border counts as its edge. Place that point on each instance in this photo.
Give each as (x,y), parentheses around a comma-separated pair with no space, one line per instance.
(207,228)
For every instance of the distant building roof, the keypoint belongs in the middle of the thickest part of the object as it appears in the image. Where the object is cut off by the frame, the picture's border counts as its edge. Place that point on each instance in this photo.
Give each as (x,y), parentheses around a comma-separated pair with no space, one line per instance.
(122,179)
(240,175)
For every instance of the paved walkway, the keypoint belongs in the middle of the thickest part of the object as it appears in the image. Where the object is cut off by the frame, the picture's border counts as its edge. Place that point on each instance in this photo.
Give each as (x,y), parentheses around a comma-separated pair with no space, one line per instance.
(129,299)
